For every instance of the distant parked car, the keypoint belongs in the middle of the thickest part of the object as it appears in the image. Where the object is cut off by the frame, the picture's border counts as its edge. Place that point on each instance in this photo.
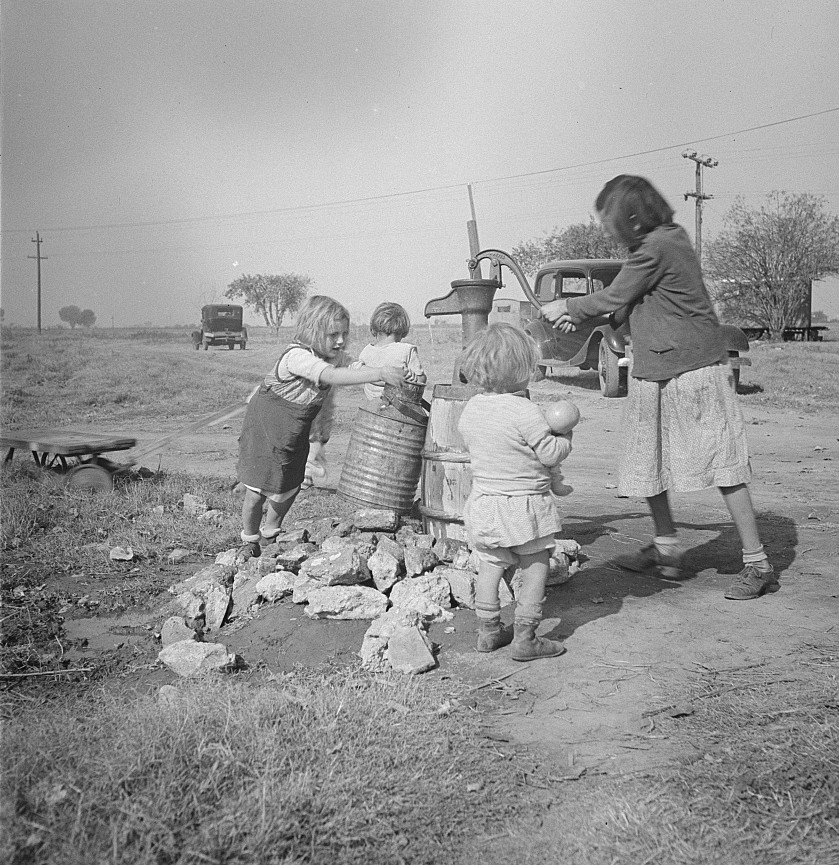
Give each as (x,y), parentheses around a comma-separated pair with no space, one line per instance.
(221,324)
(595,344)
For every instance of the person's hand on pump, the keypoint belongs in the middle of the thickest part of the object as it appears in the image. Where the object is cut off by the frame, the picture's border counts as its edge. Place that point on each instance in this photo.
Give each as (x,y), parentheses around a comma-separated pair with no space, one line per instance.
(556,312)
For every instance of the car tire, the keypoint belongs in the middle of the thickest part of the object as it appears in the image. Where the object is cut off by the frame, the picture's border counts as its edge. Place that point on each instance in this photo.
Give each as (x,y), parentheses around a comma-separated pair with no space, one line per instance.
(608,371)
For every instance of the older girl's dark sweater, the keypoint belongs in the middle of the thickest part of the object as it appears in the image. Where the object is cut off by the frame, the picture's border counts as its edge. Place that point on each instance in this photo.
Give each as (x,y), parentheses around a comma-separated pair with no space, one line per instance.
(672,321)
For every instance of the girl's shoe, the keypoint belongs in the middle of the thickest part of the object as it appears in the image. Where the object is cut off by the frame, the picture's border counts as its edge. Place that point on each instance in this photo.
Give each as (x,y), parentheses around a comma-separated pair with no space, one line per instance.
(248,550)
(751,583)
(528,647)
(648,560)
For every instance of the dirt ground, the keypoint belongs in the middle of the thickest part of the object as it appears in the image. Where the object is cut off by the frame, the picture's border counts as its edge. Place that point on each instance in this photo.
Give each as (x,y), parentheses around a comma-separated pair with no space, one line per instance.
(636,645)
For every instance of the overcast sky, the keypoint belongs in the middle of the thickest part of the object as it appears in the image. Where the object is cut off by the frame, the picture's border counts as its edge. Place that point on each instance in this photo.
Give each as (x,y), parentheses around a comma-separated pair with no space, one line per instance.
(164,147)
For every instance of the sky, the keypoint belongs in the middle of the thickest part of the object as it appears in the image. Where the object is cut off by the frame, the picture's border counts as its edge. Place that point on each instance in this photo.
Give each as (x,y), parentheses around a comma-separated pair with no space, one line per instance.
(163,148)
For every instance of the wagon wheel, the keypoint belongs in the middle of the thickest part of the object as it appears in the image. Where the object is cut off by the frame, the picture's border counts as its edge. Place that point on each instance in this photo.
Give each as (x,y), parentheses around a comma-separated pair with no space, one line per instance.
(89,476)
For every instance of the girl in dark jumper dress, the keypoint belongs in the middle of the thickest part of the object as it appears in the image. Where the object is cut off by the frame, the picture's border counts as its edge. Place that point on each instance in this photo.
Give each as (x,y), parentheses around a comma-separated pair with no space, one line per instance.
(683,427)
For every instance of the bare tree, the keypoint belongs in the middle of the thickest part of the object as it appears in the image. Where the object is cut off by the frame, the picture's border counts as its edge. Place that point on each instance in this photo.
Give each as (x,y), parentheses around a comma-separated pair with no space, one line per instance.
(581,240)
(761,266)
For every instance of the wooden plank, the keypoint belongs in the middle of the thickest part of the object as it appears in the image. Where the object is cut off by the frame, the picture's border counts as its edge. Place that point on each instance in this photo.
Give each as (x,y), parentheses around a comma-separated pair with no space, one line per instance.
(64,442)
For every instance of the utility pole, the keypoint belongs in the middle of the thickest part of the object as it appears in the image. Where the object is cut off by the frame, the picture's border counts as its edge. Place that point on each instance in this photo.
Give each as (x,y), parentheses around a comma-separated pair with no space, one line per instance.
(706,162)
(39,258)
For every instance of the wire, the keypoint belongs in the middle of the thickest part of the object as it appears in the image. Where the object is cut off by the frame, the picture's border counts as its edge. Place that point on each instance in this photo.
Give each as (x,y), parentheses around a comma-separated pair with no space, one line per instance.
(395,195)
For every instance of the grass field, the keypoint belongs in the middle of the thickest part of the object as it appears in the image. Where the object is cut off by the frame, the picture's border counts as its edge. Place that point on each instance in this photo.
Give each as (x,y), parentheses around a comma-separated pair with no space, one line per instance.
(338,766)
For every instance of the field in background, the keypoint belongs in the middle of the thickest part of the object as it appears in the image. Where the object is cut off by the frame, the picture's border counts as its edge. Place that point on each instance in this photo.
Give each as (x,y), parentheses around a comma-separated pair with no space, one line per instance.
(61,377)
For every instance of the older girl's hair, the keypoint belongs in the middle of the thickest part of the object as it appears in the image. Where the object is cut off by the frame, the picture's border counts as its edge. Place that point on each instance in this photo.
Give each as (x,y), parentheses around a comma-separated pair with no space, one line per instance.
(499,359)
(635,207)
(318,318)
(390,318)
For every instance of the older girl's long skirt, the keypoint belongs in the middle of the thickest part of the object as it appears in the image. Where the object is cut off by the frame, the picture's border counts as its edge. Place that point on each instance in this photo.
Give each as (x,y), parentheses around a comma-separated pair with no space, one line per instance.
(683,434)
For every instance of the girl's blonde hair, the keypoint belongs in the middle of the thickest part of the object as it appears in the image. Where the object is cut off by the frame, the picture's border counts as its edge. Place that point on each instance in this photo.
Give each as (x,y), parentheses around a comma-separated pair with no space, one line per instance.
(500,359)
(318,318)
(390,318)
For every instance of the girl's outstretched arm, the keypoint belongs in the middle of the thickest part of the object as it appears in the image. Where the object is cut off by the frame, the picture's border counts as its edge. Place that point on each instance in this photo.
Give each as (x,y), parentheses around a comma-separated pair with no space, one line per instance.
(366,375)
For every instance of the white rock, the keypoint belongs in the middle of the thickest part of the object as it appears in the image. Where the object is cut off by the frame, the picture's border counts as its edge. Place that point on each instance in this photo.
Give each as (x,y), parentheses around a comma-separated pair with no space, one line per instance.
(346,602)
(228,557)
(216,605)
(431,586)
(278,585)
(300,595)
(170,697)
(178,555)
(188,658)
(409,652)
(193,504)
(461,584)
(174,630)
(384,568)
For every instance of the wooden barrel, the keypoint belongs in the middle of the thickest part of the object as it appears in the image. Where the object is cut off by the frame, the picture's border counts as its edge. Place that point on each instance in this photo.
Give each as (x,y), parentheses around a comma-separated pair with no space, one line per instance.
(384,457)
(446,468)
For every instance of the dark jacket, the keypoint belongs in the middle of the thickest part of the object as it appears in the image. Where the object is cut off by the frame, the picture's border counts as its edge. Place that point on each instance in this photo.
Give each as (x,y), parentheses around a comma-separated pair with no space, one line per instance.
(672,322)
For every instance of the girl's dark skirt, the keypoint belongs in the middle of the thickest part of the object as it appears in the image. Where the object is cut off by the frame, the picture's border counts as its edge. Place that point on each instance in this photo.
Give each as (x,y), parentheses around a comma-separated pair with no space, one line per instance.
(274,442)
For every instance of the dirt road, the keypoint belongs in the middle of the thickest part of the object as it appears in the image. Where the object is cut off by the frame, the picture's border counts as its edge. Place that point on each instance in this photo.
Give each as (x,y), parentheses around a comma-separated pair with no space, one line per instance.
(635,644)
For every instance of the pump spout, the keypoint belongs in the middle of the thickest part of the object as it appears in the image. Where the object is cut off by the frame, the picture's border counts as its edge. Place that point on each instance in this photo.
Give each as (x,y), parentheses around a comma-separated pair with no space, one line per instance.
(471,299)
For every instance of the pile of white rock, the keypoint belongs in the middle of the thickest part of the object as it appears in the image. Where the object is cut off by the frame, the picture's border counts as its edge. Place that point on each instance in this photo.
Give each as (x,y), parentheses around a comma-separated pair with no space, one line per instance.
(373,565)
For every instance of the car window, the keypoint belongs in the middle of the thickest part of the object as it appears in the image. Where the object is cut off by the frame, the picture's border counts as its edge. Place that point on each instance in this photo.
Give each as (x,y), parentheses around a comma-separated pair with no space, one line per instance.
(544,288)
(596,284)
(572,286)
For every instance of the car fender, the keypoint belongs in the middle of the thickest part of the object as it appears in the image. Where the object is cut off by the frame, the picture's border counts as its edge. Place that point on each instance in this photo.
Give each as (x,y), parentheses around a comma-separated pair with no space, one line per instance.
(615,339)
(735,339)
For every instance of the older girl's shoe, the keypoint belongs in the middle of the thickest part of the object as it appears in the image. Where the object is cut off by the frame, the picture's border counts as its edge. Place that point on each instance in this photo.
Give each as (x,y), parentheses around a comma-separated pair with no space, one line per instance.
(751,583)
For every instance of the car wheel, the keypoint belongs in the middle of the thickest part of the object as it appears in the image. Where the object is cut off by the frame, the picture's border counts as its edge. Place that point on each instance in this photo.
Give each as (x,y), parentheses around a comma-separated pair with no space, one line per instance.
(609,371)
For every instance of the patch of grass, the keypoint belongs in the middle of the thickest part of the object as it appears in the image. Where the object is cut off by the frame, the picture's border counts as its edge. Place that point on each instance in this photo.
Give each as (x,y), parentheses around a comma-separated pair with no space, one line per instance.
(762,786)
(337,768)
(799,375)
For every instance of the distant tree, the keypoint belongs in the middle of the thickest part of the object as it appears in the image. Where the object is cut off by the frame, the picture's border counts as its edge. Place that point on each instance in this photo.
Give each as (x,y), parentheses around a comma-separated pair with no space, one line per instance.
(70,314)
(761,266)
(270,295)
(87,318)
(581,240)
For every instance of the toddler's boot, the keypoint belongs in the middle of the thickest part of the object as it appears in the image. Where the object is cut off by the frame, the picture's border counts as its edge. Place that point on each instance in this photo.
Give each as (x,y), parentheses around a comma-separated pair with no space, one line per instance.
(492,634)
(526,645)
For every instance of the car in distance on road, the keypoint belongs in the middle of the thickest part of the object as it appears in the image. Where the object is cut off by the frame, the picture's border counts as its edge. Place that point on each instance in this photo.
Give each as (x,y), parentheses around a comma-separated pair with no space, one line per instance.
(221,324)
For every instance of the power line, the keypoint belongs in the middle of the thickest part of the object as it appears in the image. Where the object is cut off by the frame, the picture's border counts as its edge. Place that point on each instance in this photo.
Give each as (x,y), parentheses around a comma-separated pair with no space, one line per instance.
(389,196)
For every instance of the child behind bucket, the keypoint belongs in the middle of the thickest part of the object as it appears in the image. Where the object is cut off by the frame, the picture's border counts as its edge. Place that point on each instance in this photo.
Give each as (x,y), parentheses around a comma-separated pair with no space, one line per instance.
(274,443)
(510,515)
(389,325)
